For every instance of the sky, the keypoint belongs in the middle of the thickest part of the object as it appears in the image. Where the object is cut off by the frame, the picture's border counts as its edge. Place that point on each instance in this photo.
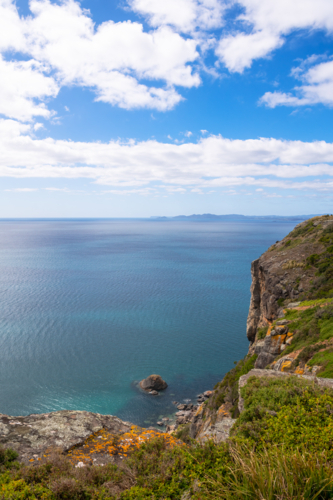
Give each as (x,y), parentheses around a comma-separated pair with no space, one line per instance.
(139,108)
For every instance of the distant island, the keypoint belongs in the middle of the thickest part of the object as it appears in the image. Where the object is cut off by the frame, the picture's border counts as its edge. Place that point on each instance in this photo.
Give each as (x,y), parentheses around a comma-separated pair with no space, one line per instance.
(237,218)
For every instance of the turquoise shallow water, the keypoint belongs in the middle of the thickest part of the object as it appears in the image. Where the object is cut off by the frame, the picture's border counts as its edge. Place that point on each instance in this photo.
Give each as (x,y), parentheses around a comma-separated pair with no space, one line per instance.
(87,307)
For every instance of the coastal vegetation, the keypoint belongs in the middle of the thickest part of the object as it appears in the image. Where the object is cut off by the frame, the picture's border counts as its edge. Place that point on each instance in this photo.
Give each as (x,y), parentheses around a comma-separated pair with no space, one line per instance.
(281,447)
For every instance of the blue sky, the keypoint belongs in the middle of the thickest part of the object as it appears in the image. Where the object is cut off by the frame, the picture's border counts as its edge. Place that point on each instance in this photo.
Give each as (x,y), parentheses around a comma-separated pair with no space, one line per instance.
(138,108)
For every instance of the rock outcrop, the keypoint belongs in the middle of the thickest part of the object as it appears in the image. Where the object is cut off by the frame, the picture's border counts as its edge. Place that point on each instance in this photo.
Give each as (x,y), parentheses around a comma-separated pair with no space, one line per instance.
(37,435)
(153,383)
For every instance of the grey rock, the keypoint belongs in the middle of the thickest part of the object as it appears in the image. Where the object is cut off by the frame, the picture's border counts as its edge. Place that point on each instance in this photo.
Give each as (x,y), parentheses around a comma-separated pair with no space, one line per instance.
(218,432)
(264,359)
(259,347)
(279,331)
(153,382)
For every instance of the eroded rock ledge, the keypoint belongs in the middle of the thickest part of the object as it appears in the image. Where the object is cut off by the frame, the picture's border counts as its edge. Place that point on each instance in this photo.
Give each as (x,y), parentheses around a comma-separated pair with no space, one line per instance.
(35,436)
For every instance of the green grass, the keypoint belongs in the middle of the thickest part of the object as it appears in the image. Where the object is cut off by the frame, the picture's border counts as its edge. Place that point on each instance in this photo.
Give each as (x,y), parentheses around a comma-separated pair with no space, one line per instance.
(326,329)
(324,359)
(273,475)
(316,302)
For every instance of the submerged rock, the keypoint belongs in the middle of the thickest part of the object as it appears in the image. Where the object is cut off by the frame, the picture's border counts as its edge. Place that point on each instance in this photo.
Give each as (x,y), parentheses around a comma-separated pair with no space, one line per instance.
(153,383)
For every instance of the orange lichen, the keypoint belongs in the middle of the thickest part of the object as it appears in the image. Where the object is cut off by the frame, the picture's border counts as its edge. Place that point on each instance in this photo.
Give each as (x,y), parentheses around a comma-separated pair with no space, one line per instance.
(104,443)
(269,328)
(286,365)
(223,412)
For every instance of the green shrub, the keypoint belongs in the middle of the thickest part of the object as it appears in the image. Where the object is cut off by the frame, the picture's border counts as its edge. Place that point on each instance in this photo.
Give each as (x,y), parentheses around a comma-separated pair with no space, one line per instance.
(288,411)
(313,259)
(261,333)
(7,457)
(183,433)
(280,301)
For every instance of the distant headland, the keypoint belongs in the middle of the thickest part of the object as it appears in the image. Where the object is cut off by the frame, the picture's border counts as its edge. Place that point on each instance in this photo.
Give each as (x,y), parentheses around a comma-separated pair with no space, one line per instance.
(237,218)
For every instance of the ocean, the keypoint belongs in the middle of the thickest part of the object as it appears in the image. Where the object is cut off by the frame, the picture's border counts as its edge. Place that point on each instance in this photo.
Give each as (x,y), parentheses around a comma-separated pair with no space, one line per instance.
(90,307)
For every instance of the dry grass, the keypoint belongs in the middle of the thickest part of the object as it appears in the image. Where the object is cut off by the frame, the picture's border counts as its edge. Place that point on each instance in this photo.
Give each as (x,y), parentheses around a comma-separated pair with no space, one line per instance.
(291,264)
(273,475)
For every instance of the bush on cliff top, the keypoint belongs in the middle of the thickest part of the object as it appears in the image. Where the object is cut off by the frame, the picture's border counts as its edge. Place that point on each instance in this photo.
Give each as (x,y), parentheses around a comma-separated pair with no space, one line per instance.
(288,411)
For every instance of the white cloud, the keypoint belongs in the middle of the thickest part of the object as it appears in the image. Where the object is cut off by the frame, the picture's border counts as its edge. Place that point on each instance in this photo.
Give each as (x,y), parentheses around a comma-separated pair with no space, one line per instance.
(238,51)
(110,59)
(22,190)
(269,21)
(317,88)
(188,133)
(183,15)
(65,37)
(210,163)
(38,126)
(23,87)
(127,192)
(11,27)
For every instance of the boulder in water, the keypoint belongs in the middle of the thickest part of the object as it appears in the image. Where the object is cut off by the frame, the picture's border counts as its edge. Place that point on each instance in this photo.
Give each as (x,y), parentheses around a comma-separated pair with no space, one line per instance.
(153,383)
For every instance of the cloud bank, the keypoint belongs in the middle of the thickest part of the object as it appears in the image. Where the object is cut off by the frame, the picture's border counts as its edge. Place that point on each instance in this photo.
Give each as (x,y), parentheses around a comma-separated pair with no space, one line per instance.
(210,163)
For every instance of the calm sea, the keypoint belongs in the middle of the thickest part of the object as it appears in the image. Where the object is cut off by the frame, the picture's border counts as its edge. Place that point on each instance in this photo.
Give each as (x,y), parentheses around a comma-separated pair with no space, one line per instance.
(88,307)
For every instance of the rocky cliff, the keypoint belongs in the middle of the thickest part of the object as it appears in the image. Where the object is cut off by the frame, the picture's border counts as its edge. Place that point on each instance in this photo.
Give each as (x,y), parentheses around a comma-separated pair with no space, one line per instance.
(290,321)
(291,273)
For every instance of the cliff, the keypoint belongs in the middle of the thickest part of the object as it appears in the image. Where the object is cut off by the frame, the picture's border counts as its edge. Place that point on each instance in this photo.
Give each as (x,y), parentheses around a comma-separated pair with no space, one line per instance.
(290,320)
(295,275)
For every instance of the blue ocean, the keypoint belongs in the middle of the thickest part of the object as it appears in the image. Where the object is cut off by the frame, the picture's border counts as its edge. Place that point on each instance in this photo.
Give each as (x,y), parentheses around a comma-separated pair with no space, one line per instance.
(90,307)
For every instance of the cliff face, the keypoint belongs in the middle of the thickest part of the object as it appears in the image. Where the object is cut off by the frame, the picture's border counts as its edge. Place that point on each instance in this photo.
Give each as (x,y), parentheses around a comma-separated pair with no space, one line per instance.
(290,321)
(281,277)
